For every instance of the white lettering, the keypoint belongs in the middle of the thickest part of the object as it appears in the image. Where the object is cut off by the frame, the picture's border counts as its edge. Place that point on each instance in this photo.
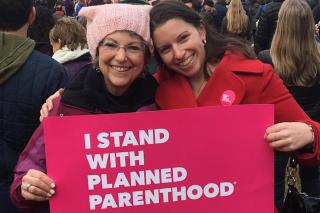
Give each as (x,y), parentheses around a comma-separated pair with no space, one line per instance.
(87,141)
(161,132)
(103,139)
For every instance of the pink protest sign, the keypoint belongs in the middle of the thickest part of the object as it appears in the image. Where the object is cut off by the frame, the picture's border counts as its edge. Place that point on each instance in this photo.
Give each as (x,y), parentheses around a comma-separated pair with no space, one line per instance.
(211,159)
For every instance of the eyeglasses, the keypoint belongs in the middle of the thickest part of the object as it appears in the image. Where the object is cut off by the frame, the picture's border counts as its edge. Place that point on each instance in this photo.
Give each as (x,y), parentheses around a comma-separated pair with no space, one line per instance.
(133,48)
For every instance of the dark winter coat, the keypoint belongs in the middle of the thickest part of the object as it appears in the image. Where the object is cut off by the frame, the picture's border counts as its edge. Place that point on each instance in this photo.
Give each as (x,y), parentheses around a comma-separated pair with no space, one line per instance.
(267,26)
(74,66)
(221,11)
(21,97)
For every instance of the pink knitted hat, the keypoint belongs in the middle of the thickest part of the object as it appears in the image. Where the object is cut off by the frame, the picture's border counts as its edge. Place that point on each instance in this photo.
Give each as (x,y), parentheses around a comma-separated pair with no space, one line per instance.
(108,18)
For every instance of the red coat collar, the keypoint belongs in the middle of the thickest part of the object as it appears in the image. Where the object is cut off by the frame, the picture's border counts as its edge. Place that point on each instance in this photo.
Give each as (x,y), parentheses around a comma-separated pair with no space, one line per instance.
(176,92)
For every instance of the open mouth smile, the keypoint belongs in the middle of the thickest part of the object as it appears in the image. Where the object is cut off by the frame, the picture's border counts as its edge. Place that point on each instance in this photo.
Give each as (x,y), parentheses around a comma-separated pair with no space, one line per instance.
(120,68)
(186,61)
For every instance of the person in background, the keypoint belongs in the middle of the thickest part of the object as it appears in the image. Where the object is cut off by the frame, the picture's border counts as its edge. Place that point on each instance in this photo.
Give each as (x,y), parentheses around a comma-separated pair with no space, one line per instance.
(69,7)
(27,78)
(194,4)
(201,65)
(39,30)
(316,13)
(59,8)
(209,13)
(261,8)
(42,3)
(313,3)
(267,25)
(80,4)
(221,11)
(236,22)
(295,56)
(69,44)
(253,9)
(119,38)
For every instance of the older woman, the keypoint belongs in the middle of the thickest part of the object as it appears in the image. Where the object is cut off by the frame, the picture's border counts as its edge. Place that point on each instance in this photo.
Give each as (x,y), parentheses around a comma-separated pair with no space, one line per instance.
(118,39)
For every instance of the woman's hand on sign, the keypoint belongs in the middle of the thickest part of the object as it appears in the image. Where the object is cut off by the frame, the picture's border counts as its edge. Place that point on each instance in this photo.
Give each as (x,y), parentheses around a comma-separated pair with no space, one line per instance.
(48,105)
(37,186)
(289,136)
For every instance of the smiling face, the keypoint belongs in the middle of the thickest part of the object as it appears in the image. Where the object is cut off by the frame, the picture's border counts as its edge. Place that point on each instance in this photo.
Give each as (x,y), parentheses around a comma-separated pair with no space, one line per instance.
(121,60)
(180,46)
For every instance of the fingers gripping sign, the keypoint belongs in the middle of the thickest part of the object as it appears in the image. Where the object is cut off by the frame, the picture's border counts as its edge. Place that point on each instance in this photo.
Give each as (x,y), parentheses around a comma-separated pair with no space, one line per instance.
(37,186)
(288,137)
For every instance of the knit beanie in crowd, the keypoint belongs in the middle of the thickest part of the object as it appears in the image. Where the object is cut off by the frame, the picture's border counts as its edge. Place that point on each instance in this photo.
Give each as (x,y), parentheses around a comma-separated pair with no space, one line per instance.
(103,20)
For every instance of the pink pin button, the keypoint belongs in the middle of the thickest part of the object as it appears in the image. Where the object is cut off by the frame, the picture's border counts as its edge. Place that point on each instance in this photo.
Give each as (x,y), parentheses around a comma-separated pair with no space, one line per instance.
(227,98)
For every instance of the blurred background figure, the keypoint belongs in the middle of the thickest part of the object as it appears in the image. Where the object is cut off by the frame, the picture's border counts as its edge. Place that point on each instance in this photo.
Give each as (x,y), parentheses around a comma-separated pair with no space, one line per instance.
(43,3)
(316,13)
(313,3)
(78,6)
(69,7)
(221,10)
(69,44)
(194,4)
(39,30)
(252,11)
(295,55)
(267,25)
(209,13)
(236,22)
(59,8)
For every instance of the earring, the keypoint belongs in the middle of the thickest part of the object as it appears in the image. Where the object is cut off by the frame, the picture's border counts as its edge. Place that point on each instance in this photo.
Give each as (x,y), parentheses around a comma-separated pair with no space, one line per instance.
(98,69)
(204,41)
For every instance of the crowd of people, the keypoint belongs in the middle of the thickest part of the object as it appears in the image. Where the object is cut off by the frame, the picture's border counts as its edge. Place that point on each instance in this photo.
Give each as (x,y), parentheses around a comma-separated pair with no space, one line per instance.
(136,55)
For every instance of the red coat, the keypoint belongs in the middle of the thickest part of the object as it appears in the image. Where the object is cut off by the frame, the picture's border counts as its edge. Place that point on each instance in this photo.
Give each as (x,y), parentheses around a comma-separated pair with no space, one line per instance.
(252,82)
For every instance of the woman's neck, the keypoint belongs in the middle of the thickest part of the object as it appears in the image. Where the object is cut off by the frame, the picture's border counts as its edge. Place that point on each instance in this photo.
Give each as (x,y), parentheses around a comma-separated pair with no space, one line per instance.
(197,83)
(113,90)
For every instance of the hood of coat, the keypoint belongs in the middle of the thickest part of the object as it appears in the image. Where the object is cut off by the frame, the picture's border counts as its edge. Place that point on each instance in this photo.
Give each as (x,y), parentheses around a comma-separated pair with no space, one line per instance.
(65,54)
(15,50)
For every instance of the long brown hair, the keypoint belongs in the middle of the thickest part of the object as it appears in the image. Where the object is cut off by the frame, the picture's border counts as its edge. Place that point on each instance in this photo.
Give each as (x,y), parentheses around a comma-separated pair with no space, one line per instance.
(294,51)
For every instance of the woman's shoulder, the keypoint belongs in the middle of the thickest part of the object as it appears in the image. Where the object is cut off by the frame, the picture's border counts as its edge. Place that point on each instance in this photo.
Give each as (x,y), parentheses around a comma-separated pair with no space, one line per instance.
(239,63)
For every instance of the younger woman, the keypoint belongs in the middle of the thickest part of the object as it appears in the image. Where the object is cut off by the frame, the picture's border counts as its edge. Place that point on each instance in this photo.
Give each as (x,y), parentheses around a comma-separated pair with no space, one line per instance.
(207,69)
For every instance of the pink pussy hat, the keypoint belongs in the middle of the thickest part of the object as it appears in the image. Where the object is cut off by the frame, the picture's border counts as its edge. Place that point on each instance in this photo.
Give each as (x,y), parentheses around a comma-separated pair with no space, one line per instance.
(108,18)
